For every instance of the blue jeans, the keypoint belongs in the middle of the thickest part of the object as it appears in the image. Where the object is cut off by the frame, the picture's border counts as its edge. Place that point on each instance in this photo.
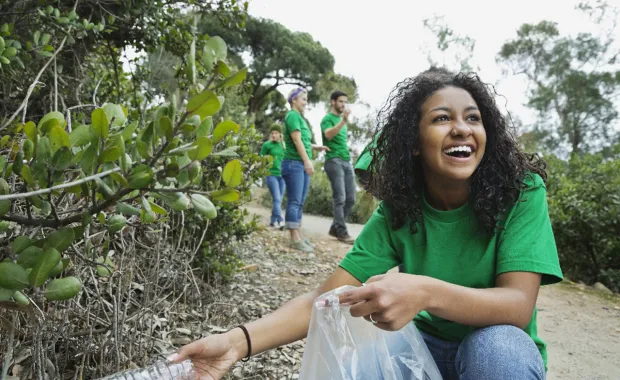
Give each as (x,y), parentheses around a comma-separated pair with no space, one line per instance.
(496,352)
(297,184)
(342,179)
(276,188)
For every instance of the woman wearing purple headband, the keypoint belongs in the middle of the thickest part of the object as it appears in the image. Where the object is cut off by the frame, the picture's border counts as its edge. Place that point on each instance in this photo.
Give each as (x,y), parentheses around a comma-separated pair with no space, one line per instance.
(297,166)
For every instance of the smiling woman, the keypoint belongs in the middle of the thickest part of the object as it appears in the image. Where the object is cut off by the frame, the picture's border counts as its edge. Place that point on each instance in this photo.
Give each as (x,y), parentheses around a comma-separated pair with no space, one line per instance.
(464,214)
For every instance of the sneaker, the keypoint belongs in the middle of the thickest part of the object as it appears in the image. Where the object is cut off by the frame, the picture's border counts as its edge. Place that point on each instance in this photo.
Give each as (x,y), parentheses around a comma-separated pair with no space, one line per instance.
(346,238)
(300,245)
(309,243)
(332,231)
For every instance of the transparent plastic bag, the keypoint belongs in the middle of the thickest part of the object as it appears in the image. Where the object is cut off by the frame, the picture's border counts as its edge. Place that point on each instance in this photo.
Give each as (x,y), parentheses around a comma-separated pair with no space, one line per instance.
(158,371)
(341,347)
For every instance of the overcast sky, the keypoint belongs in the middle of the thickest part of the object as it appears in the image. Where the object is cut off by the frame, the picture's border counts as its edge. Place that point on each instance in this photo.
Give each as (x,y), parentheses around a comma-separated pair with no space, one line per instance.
(379,43)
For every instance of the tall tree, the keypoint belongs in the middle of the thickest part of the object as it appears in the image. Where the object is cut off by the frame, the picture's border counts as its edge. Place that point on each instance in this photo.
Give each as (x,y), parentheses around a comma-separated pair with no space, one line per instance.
(452,50)
(574,80)
(278,57)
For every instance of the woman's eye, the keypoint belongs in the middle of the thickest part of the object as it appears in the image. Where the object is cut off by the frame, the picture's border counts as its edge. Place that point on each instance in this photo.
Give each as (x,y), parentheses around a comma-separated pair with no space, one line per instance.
(473,118)
(441,118)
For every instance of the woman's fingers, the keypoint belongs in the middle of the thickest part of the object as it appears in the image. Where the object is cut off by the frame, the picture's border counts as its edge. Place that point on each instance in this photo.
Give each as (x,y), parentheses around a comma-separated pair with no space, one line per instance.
(187,351)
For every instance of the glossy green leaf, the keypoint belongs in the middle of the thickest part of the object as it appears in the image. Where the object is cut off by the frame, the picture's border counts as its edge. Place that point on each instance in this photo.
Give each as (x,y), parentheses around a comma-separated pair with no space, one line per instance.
(176,201)
(223,128)
(28,150)
(223,68)
(44,150)
(128,131)
(18,164)
(205,128)
(208,59)
(115,115)
(228,152)
(126,209)
(45,124)
(157,208)
(26,174)
(203,147)
(81,136)
(5,206)
(30,130)
(89,160)
(204,104)
(116,223)
(218,46)
(29,256)
(6,294)
(147,215)
(58,138)
(44,265)
(60,239)
(62,289)
(13,276)
(110,155)
(140,177)
(62,159)
(106,266)
(234,79)
(118,178)
(227,195)
(204,206)
(165,126)
(20,243)
(232,173)
(100,123)
(126,162)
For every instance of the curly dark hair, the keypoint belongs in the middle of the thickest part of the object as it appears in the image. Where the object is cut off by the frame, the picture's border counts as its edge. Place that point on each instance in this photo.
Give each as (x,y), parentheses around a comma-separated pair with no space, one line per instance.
(397,177)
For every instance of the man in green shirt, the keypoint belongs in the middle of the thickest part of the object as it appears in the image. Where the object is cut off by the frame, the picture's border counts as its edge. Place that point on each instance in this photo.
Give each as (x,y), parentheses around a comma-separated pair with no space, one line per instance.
(337,164)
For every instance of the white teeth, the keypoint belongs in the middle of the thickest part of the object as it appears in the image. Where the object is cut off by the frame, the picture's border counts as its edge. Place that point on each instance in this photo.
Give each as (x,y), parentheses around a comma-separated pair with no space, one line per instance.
(464,148)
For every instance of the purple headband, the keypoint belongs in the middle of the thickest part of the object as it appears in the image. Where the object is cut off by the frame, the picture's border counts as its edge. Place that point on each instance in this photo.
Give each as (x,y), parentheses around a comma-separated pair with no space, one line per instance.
(294,94)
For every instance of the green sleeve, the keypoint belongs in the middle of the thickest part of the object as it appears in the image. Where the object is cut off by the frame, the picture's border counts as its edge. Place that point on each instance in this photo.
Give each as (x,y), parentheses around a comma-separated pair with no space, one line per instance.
(293,122)
(264,149)
(373,252)
(326,123)
(527,243)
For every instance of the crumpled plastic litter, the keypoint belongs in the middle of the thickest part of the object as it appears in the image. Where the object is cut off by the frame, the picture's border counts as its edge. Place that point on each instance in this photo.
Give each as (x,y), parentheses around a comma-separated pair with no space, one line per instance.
(341,347)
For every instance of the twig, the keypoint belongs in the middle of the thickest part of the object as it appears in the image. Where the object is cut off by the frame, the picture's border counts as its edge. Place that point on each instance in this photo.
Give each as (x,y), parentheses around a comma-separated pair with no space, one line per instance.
(33,85)
(9,354)
(97,88)
(55,86)
(58,187)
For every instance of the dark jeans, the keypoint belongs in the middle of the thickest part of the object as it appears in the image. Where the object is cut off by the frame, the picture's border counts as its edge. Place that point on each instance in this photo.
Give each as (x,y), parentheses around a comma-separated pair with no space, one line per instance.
(276,188)
(342,179)
(297,183)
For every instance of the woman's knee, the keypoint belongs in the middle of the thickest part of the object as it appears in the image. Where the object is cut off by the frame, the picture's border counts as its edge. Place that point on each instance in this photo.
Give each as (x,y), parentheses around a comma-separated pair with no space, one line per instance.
(499,352)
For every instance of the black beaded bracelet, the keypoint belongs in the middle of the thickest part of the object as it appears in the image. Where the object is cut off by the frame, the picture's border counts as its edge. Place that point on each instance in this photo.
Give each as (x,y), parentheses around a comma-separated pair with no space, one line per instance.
(247,338)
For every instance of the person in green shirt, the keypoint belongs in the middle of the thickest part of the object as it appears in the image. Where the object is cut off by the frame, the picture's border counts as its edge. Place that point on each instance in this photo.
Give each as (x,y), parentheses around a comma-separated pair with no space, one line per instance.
(297,166)
(465,211)
(338,165)
(274,147)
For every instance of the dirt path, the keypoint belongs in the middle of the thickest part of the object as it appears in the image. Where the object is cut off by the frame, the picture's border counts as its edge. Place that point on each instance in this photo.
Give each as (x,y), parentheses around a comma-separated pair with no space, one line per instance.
(581,326)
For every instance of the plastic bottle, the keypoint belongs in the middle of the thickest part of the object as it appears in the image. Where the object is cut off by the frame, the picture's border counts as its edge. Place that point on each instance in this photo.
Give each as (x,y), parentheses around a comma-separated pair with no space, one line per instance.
(158,371)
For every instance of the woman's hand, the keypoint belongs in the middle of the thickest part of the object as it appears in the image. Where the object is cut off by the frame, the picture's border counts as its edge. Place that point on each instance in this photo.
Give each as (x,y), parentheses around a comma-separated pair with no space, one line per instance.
(308,167)
(212,356)
(392,299)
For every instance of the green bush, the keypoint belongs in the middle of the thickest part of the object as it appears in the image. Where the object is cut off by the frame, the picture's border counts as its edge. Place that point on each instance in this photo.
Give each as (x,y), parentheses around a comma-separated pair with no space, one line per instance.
(584,206)
(320,200)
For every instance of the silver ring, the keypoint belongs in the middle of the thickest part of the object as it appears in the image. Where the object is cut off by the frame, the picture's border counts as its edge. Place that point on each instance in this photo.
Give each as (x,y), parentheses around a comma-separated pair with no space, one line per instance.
(372,320)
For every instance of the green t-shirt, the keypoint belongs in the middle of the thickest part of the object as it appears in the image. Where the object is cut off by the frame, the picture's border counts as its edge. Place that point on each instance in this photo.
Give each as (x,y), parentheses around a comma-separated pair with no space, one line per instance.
(275,150)
(295,122)
(451,247)
(338,144)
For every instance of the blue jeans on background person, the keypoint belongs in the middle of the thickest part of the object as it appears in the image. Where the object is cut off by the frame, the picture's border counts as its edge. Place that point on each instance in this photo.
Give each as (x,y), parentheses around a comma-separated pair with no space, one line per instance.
(276,188)
(342,180)
(297,183)
(495,352)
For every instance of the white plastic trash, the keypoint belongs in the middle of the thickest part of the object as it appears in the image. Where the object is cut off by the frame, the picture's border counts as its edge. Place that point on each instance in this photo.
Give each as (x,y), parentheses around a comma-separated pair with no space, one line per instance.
(341,347)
